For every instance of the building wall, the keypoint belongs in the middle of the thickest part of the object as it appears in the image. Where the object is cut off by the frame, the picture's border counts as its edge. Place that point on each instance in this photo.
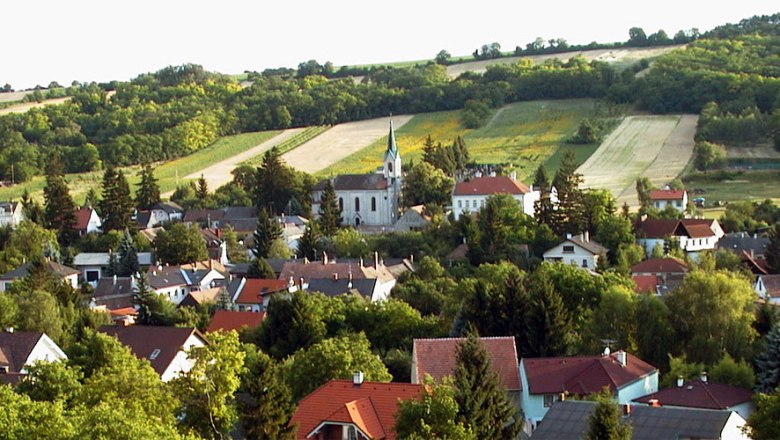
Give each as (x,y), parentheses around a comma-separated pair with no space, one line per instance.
(175,294)
(473,202)
(45,350)
(641,387)
(411,221)
(181,362)
(384,215)
(94,223)
(744,409)
(532,404)
(698,244)
(579,257)
(382,290)
(733,428)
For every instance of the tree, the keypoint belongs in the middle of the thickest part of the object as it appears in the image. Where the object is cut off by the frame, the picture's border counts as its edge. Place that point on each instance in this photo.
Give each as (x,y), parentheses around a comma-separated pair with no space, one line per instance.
(614,232)
(275,183)
(768,362)
(153,309)
(475,113)
(427,185)
(433,416)
(764,423)
(605,422)
(39,312)
(267,231)
(59,208)
(548,323)
(148,192)
(267,415)
(483,404)
(613,319)
(116,208)
(202,190)
(180,244)
(260,268)
(51,382)
(654,337)
(236,252)
(643,188)
(730,372)
(772,253)
(568,217)
(637,37)
(708,156)
(308,245)
(206,392)
(291,324)
(443,57)
(127,263)
(329,220)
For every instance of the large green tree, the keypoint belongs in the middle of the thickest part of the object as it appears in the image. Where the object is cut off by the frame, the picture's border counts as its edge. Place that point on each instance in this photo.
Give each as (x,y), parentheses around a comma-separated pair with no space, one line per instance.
(772,253)
(606,422)
(435,415)
(59,208)
(148,192)
(268,230)
(764,423)
(275,184)
(266,415)
(426,185)
(549,327)
(127,261)
(180,244)
(329,219)
(768,362)
(654,335)
(291,324)
(568,217)
(116,208)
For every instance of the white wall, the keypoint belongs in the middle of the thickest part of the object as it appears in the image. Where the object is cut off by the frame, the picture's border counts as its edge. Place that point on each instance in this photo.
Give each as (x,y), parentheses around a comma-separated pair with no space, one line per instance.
(640,387)
(384,214)
(382,290)
(181,362)
(174,294)
(733,428)
(44,350)
(575,258)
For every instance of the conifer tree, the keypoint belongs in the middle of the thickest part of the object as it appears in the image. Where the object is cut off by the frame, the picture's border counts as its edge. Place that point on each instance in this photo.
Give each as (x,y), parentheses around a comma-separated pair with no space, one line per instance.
(266,416)
(548,324)
(116,208)
(543,208)
(260,268)
(541,180)
(308,245)
(605,423)
(148,192)
(32,210)
(113,264)
(568,217)
(768,363)
(127,263)
(267,231)
(482,400)
(330,214)
(59,208)
(772,253)
(202,191)
(275,183)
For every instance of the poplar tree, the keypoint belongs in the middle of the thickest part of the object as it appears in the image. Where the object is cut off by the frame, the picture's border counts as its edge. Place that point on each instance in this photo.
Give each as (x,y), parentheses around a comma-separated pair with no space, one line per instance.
(266,232)
(330,214)
(148,192)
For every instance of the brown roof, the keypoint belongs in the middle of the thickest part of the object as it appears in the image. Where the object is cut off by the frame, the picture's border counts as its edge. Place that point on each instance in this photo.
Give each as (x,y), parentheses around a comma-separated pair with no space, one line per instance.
(82,218)
(229,320)
(645,283)
(156,344)
(772,285)
(200,215)
(437,357)
(254,289)
(201,296)
(485,186)
(371,407)
(582,375)
(589,245)
(657,228)
(698,231)
(698,394)
(15,348)
(459,253)
(660,265)
(667,194)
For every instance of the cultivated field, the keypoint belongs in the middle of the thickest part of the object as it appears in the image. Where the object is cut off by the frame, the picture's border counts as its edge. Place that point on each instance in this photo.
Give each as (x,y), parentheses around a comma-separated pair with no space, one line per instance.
(24,106)
(734,187)
(656,147)
(339,142)
(524,134)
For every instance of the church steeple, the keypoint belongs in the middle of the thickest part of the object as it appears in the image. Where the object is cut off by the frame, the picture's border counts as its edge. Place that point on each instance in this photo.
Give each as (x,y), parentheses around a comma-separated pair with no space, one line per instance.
(392,148)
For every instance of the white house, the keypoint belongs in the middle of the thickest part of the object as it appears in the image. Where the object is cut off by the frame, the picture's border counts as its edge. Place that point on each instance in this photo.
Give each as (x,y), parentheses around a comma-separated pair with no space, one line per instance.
(94,265)
(692,235)
(253,295)
(578,251)
(368,199)
(87,221)
(768,287)
(68,275)
(470,195)
(19,350)
(661,198)
(413,219)
(548,380)
(176,282)
(11,214)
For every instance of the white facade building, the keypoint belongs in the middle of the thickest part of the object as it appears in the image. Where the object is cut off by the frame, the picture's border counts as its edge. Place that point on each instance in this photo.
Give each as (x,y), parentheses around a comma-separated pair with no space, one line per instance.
(11,214)
(470,195)
(578,251)
(677,199)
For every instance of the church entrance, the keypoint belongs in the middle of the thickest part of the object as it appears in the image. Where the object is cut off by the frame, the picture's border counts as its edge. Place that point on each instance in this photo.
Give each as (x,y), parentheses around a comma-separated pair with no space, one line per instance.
(357,222)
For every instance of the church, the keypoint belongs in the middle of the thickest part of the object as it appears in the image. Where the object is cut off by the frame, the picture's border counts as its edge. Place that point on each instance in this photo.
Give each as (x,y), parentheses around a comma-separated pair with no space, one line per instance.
(368,199)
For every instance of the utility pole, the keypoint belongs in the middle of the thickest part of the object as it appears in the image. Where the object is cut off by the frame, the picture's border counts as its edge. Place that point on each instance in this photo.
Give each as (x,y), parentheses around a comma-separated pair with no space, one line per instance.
(12,174)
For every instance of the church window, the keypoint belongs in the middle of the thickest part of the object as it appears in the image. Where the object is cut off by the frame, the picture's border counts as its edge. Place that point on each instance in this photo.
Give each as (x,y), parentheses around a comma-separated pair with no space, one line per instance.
(390,167)
(341,204)
(373,204)
(357,204)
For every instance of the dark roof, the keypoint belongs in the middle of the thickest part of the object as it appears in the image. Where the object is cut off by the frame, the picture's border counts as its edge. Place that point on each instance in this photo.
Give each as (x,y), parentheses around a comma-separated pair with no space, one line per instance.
(236,212)
(582,375)
(310,271)
(230,320)
(392,147)
(657,228)
(771,284)
(332,287)
(22,271)
(698,394)
(569,420)
(742,241)
(146,340)
(589,245)
(165,276)
(15,348)
(240,225)
(144,219)
(660,265)
(347,182)
(168,207)
(201,215)
(486,186)
(114,293)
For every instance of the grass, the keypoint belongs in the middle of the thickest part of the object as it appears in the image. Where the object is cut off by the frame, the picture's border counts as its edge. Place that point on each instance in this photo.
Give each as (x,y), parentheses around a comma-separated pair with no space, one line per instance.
(581,154)
(289,144)
(168,174)
(744,185)
(523,134)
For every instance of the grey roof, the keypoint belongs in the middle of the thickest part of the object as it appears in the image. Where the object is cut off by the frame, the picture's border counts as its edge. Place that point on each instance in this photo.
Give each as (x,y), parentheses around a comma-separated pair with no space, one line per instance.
(569,420)
(240,224)
(144,219)
(198,215)
(236,212)
(167,276)
(742,241)
(347,182)
(168,207)
(331,287)
(590,245)
(101,259)
(392,147)
(22,271)
(113,286)
(16,347)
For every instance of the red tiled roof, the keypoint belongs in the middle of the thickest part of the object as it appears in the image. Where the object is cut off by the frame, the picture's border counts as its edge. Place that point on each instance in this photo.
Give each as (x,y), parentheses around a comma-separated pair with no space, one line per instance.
(582,375)
(229,320)
(485,186)
(254,289)
(772,285)
(82,219)
(123,311)
(145,340)
(341,401)
(698,231)
(698,394)
(667,194)
(657,228)
(645,283)
(660,265)
(437,358)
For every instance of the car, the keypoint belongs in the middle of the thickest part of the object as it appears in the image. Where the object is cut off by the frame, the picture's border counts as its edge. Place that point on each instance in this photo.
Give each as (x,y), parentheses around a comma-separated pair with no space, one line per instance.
(699,201)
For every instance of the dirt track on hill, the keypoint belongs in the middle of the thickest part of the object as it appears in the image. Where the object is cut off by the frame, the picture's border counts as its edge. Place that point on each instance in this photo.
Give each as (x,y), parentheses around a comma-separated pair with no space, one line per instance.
(339,142)
(24,106)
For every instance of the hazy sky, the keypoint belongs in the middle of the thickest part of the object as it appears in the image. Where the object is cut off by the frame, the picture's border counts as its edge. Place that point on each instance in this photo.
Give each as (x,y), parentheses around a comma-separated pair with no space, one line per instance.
(102,40)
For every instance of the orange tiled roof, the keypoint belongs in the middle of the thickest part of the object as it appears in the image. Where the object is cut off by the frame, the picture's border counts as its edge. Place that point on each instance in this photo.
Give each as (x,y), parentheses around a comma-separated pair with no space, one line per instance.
(230,320)
(485,186)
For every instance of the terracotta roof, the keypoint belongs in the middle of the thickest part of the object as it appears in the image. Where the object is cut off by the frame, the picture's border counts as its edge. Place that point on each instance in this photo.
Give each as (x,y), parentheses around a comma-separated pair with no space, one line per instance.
(645,283)
(582,375)
(371,406)
(772,285)
(485,186)
(698,231)
(15,348)
(698,394)
(660,265)
(82,218)
(124,311)
(253,289)
(437,358)
(229,320)
(201,296)
(347,182)
(657,228)
(53,266)
(157,344)
(667,194)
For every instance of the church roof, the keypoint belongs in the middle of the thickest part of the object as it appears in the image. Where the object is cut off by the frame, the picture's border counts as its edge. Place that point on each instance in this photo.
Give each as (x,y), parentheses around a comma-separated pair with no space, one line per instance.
(392,147)
(347,182)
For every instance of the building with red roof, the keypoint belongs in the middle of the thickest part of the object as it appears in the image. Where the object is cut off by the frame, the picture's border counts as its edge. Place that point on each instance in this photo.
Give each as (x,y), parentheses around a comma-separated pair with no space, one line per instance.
(227,320)
(676,198)
(768,288)
(343,409)
(87,221)
(693,235)
(546,380)
(703,394)
(254,294)
(658,275)
(470,195)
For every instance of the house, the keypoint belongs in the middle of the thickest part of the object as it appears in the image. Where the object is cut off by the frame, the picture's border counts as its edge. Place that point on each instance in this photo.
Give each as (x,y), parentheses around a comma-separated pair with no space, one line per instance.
(113,293)
(578,251)
(227,320)
(368,199)
(693,235)
(216,247)
(11,214)
(167,212)
(207,217)
(738,242)
(343,409)
(94,265)
(658,275)
(200,297)
(367,288)
(437,357)
(470,195)
(68,275)
(413,219)
(677,199)
(768,288)
(253,295)
(176,282)
(703,394)
(570,419)
(87,221)
(164,347)
(547,380)
(19,350)
(302,272)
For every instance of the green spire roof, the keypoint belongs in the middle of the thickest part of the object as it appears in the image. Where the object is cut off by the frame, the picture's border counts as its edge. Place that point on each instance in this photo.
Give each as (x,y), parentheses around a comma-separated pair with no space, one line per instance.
(392,148)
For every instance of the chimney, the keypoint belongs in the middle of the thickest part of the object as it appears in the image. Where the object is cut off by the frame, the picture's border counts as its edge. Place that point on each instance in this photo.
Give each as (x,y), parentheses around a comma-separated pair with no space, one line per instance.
(627,410)
(114,279)
(291,282)
(9,329)
(654,403)
(335,276)
(324,258)
(376,260)
(680,381)
(586,236)
(357,378)
(568,236)
(300,283)
(622,358)
(703,377)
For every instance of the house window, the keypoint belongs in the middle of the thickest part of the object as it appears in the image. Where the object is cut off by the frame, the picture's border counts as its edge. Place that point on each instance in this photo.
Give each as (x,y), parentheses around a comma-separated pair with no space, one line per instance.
(349,433)
(568,249)
(92,275)
(460,203)
(341,204)
(357,204)
(373,204)
(678,203)
(549,399)
(585,263)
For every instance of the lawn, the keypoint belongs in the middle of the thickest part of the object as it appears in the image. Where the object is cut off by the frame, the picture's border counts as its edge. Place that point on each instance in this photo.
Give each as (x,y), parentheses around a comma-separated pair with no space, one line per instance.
(745,185)
(523,134)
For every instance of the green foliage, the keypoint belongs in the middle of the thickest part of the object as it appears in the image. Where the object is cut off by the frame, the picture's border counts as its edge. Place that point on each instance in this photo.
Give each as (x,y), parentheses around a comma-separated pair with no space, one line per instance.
(708,156)
(568,216)
(236,253)
(116,208)
(50,382)
(127,262)
(260,268)
(267,415)
(728,371)
(772,252)
(654,337)
(276,184)
(475,113)
(267,231)
(329,219)
(764,423)
(59,208)
(180,244)
(605,423)
(153,309)
(27,242)
(148,192)
(426,185)
(433,416)
(39,312)
(768,362)
(614,319)
(549,326)
(350,243)
(291,324)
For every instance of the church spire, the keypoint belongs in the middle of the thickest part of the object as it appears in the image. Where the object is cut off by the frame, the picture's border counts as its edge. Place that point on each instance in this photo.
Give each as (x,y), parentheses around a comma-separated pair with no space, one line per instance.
(392,148)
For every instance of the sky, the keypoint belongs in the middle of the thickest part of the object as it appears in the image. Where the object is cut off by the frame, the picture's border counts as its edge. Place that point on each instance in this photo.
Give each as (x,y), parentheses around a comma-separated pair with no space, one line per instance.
(99,40)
